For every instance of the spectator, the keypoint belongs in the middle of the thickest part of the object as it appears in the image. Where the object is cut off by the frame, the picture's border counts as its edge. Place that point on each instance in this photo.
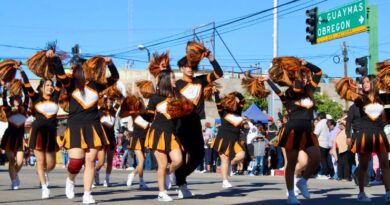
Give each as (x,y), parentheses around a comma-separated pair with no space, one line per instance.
(332,161)
(208,137)
(342,153)
(260,144)
(322,132)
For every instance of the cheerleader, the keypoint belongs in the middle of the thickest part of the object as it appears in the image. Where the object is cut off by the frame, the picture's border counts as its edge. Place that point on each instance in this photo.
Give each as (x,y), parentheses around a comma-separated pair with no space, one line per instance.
(137,144)
(370,136)
(13,139)
(85,135)
(227,142)
(161,137)
(190,127)
(107,114)
(42,136)
(298,131)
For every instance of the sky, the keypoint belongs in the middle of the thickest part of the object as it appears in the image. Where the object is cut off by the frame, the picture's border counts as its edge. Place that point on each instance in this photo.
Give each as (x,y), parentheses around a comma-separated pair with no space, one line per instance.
(116,28)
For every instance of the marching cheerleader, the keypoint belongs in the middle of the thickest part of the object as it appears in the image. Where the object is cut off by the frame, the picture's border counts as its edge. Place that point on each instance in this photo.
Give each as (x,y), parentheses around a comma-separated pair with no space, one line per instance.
(161,137)
(85,135)
(42,138)
(227,142)
(137,144)
(107,114)
(190,127)
(370,136)
(13,138)
(302,78)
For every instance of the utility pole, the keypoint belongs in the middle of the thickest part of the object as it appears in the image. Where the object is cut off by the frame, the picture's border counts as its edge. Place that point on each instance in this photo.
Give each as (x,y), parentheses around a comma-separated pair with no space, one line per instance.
(345,59)
(274,104)
(373,36)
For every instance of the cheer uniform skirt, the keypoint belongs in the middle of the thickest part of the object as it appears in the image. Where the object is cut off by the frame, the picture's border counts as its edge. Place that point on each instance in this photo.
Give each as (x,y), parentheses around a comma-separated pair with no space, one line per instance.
(110,133)
(297,135)
(85,135)
(370,140)
(227,146)
(13,139)
(42,137)
(161,137)
(137,143)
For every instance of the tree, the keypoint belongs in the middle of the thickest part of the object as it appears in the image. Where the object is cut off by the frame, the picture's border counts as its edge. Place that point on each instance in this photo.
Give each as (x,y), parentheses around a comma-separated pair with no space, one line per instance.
(249,100)
(328,106)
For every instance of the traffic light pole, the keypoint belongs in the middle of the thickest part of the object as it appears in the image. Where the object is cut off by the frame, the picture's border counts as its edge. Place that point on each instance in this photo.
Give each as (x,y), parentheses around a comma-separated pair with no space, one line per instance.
(345,59)
(373,36)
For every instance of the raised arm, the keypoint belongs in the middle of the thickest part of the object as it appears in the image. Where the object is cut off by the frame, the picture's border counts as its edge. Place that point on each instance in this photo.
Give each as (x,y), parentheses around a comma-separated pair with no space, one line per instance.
(114,73)
(26,98)
(218,104)
(217,73)
(241,103)
(60,72)
(277,90)
(30,91)
(316,76)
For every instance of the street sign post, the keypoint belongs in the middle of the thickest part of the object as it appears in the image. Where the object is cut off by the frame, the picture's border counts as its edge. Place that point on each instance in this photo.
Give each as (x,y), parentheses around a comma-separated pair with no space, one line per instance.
(342,21)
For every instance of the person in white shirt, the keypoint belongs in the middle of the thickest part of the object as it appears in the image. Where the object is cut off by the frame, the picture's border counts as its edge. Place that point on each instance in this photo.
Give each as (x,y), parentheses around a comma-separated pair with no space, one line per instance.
(322,131)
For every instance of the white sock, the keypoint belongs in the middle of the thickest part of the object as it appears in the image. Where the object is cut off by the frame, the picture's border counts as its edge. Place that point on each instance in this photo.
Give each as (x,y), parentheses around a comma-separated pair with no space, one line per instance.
(141,179)
(87,193)
(107,176)
(162,192)
(225,181)
(44,186)
(291,193)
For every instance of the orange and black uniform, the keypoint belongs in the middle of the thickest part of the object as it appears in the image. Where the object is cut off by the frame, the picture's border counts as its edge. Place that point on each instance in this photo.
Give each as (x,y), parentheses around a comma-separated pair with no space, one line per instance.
(227,141)
(84,127)
(189,127)
(140,129)
(107,118)
(43,130)
(371,136)
(297,134)
(162,133)
(13,138)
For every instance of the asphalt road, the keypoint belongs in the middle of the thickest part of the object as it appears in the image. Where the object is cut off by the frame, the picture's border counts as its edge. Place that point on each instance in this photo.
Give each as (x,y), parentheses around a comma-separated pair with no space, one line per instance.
(207,187)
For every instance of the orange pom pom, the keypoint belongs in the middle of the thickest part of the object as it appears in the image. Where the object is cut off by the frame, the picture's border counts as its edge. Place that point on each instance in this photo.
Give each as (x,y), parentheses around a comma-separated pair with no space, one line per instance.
(179,107)
(95,70)
(346,88)
(146,88)
(158,63)
(254,87)
(195,52)
(132,105)
(8,70)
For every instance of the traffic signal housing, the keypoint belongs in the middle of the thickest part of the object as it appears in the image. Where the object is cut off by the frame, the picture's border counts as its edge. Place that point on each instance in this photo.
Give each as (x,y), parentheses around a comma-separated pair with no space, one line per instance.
(311,28)
(362,63)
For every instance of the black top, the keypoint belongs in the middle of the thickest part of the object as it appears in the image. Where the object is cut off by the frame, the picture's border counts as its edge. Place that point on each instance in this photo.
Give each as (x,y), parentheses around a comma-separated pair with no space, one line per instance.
(194,90)
(297,99)
(230,121)
(385,97)
(140,127)
(353,120)
(84,107)
(15,118)
(371,113)
(45,109)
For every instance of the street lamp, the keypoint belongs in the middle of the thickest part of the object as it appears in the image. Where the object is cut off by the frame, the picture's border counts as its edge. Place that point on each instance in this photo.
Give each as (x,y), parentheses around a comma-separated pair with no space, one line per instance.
(142,47)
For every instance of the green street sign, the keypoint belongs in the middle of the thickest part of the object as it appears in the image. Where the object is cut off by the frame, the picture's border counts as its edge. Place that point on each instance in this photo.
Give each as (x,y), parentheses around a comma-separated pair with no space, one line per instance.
(342,21)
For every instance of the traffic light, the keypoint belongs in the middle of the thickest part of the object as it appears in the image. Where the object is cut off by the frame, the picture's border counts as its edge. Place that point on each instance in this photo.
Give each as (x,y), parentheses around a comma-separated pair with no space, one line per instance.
(362,63)
(311,28)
